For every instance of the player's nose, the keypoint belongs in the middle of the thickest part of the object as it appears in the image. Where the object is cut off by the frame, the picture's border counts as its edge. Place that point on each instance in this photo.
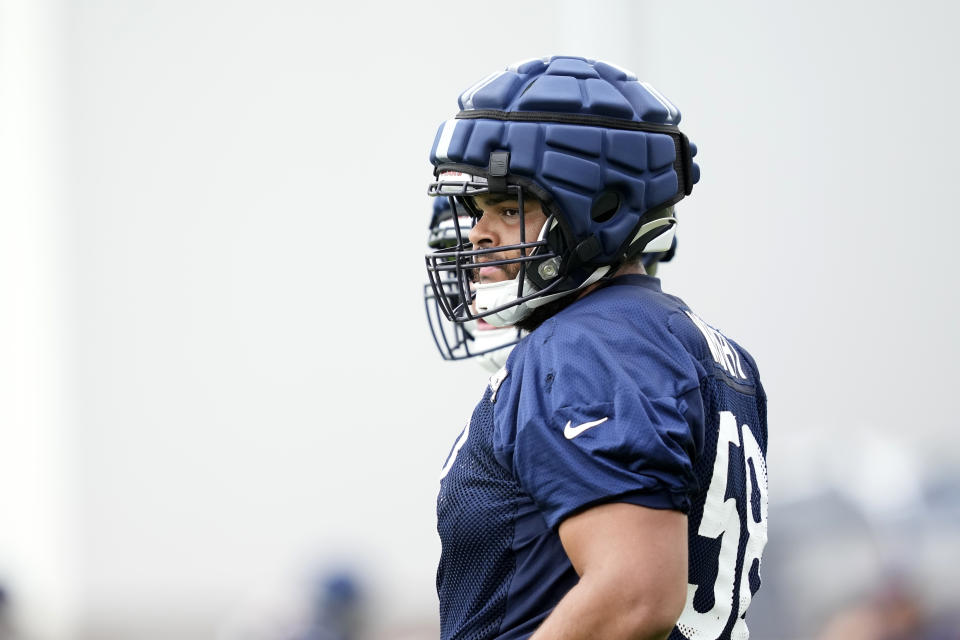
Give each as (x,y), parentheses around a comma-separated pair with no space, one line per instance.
(482,234)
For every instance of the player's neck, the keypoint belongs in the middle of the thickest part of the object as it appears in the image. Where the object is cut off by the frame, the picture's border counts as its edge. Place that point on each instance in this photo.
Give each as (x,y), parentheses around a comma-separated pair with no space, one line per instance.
(634,267)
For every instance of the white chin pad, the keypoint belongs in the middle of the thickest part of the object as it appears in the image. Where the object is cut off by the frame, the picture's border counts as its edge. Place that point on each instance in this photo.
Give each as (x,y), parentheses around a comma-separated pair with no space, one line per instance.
(496,294)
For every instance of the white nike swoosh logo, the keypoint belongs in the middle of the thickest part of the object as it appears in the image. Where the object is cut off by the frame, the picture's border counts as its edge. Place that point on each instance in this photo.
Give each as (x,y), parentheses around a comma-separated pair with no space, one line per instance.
(572,432)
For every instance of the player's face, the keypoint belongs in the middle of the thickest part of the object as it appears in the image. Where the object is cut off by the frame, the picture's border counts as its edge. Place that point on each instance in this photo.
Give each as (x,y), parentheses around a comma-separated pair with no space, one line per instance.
(499,226)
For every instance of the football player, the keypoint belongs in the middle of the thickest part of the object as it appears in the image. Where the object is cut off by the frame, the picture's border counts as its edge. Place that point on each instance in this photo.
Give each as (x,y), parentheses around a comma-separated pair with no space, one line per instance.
(611,482)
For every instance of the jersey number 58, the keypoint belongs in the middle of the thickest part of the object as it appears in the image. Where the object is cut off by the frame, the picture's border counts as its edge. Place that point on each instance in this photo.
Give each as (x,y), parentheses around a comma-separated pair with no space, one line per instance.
(722,517)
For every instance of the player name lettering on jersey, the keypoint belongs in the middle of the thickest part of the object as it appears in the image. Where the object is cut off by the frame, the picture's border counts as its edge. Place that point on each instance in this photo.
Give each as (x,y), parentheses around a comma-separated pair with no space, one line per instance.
(726,356)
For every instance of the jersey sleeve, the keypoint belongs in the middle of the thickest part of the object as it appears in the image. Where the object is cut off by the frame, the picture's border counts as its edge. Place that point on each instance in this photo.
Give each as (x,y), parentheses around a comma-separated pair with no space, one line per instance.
(602,422)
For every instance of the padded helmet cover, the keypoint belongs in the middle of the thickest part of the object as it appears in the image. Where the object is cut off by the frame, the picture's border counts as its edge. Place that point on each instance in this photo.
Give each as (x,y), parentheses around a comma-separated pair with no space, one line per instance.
(576,130)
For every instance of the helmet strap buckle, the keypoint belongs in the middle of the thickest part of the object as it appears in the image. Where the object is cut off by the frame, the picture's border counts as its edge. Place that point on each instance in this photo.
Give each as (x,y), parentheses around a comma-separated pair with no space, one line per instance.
(497,170)
(587,250)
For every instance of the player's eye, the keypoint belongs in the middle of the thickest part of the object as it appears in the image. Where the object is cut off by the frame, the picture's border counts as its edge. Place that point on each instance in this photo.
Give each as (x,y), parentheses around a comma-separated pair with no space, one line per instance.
(510,212)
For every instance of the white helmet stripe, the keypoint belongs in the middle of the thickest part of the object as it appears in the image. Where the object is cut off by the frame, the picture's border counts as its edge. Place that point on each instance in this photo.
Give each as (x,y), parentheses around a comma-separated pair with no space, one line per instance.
(629,74)
(515,67)
(672,111)
(467,95)
(443,145)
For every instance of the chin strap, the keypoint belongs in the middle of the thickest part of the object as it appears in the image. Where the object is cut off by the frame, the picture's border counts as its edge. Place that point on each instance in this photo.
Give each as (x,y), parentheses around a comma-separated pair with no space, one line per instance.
(496,294)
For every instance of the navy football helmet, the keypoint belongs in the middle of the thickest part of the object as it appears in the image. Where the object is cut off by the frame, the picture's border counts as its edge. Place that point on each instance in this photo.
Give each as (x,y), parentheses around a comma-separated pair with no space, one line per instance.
(474,338)
(600,150)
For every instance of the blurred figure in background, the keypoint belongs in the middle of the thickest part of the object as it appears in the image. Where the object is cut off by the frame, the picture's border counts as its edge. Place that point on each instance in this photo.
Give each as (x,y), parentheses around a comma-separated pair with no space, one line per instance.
(864,547)
(893,612)
(3,612)
(332,605)
(6,625)
(477,339)
(337,611)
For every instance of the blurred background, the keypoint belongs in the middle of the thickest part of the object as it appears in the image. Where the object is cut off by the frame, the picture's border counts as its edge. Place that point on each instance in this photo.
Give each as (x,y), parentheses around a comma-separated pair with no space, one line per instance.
(221,412)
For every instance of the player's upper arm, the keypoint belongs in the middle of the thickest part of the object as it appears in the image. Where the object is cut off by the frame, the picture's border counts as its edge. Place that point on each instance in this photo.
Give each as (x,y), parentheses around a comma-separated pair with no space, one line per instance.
(633,558)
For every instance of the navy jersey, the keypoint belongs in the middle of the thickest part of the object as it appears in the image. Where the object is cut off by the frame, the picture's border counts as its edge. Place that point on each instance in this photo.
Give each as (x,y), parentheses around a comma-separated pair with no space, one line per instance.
(624,396)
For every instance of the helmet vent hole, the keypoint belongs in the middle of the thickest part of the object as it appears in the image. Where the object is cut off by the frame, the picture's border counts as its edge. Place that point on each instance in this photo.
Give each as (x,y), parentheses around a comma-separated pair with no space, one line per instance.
(605,206)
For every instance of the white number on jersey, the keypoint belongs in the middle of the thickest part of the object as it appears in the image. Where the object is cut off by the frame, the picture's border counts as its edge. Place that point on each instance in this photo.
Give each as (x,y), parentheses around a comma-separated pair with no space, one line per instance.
(722,518)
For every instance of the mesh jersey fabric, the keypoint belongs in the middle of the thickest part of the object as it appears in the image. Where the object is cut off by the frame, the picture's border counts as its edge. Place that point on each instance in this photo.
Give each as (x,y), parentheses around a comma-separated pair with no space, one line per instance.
(650,380)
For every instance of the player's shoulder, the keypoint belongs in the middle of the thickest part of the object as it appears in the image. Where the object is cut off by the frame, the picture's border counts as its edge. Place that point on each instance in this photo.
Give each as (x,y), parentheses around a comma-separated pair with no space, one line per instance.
(718,353)
(629,314)
(634,292)
(616,335)
(633,319)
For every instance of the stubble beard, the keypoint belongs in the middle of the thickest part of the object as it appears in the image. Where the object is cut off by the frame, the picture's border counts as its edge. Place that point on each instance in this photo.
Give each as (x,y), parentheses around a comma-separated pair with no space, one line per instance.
(507,271)
(540,314)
